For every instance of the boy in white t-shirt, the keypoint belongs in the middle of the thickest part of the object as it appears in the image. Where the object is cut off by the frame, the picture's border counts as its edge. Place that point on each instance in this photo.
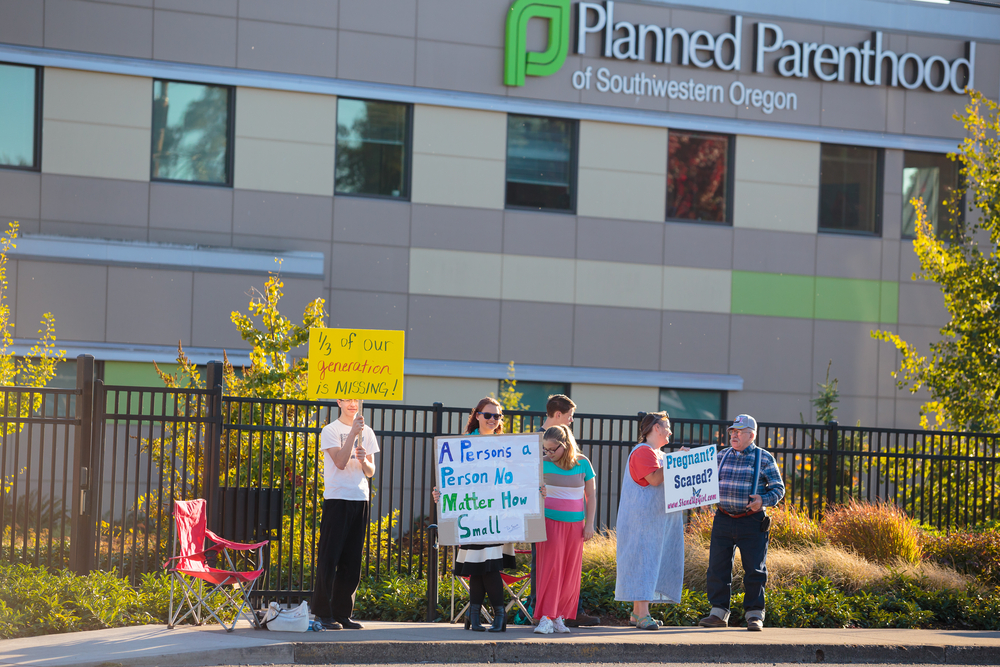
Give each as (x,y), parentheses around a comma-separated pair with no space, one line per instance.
(346,470)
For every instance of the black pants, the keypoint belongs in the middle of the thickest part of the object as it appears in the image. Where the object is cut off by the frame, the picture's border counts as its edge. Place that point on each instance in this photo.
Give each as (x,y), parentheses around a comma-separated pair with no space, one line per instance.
(728,534)
(338,561)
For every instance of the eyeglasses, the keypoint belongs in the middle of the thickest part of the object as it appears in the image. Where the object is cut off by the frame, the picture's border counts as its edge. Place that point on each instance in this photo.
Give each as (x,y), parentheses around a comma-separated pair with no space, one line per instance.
(490,416)
(553,451)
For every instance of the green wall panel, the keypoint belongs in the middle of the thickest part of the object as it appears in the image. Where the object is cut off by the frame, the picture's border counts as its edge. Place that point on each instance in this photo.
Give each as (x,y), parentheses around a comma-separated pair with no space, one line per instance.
(774,294)
(819,297)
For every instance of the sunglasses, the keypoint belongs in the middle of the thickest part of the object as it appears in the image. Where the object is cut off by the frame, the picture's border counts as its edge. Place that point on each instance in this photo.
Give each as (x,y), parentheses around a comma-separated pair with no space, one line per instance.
(490,416)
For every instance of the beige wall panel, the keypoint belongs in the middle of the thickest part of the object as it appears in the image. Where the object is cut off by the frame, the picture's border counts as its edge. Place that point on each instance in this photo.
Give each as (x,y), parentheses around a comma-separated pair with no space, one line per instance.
(621,194)
(618,284)
(91,97)
(452,392)
(700,290)
(100,151)
(456,181)
(76,294)
(283,166)
(623,147)
(455,273)
(785,161)
(778,207)
(614,400)
(459,132)
(285,116)
(545,279)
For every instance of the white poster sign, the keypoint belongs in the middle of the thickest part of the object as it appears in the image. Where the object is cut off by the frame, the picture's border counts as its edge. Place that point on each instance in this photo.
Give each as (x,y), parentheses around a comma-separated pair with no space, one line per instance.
(489,486)
(691,479)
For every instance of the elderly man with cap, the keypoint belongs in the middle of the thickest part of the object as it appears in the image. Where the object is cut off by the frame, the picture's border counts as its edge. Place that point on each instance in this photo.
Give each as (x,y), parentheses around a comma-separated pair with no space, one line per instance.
(749,481)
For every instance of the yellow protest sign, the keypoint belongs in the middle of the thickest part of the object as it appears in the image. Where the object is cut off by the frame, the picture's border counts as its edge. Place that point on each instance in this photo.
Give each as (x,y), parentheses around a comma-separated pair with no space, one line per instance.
(356,363)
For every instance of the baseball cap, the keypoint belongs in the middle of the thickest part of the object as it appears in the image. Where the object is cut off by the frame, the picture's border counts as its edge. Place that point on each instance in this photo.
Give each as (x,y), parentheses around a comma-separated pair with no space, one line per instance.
(744,422)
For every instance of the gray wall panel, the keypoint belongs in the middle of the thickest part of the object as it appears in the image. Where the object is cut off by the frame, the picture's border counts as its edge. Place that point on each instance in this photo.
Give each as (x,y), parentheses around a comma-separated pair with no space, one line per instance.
(296,49)
(536,333)
(367,310)
(921,304)
(772,354)
(698,245)
(99,28)
(369,220)
(774,252)
(456,228)
(695,342)
(19,195)
(469,67)
(377,268)
(616,337)
(386,17)
(191,208)
(770,406)
(854,354)
(890,260)
(313,13)
(194,38)
(151,307)
(443,327)
(542,234)
(213,7)
(931,114)
(282,215)
(95,200)
(619,240)
(75,294)
(363,56)
(856,107)
(843,256)
(23,22)
(463,22)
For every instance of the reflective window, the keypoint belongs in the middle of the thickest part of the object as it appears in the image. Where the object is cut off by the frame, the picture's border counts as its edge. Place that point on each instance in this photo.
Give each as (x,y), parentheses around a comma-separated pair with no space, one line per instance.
(541,157)
(192,132)
(372,148)
(19,116)
(935,179)
(849,195)
(692,403)
(698,177)
(535,395)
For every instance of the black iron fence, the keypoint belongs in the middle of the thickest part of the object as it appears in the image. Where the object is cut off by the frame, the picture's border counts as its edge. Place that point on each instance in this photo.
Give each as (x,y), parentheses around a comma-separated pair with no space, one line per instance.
(89,474)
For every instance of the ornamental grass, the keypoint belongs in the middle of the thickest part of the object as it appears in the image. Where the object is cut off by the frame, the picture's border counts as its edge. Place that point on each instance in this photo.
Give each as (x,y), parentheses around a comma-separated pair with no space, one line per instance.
(879,532)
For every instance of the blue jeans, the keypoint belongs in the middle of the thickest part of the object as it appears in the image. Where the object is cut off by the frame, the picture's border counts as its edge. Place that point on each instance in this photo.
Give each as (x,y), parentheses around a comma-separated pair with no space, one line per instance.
(727,534)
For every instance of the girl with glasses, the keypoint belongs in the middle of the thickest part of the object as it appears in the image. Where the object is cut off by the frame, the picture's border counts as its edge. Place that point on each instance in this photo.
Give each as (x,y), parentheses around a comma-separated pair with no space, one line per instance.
(650,550)
(482,563)
(570,506)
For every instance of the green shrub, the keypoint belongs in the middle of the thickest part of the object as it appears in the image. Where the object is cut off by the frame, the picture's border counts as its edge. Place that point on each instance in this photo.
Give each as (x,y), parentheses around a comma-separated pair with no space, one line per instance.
(975,554)
(880,532)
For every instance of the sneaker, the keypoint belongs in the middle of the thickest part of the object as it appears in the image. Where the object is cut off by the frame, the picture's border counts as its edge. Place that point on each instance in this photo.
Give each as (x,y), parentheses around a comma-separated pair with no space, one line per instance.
(330,623)
(713,621)
(350,624)
(559,626)
(582,620)
(545,626)
(755,624)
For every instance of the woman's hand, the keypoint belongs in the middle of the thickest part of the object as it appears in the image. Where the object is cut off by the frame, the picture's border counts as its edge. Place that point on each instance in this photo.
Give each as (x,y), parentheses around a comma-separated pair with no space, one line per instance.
(685,449)
(436,494)
(588,532)
(542,490)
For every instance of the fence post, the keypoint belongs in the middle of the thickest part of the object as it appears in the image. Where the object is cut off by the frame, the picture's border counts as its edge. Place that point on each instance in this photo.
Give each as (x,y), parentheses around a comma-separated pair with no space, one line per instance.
(832,446)
(213,443)
(432,535)
(82,525)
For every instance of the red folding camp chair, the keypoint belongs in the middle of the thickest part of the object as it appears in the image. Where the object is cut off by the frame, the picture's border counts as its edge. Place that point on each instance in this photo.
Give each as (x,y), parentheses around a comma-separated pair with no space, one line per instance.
(515,586)
(192,571)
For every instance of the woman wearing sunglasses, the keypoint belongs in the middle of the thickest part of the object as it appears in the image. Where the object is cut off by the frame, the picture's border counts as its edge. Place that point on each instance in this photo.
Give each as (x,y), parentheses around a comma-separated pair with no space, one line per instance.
(482,563)
(650,551)
(569,521)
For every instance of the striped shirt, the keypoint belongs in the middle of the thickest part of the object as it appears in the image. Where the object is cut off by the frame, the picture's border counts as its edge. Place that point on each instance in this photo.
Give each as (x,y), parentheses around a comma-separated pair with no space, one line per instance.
(564,490)
(736,479)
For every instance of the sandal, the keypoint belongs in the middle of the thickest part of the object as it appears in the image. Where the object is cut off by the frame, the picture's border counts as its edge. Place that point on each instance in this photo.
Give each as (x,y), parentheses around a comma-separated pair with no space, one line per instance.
(633,619)
(647,622)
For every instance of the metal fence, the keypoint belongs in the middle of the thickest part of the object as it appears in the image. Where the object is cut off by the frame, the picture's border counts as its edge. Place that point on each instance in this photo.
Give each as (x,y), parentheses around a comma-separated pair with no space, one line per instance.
(100,465)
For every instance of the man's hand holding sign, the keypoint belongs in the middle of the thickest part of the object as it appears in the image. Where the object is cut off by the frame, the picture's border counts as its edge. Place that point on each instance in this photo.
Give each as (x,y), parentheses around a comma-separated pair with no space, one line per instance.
(690,478)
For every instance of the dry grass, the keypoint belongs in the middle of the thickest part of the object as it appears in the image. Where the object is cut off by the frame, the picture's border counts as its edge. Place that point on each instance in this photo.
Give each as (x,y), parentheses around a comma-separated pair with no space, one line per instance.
(845,568)
(881,532)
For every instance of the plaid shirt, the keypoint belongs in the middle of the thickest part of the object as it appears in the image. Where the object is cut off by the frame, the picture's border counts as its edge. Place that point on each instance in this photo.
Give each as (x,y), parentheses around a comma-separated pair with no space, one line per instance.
(736,479)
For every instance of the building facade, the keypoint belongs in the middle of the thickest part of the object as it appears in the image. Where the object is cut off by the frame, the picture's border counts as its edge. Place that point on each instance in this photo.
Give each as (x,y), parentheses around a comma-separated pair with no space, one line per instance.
(645,205)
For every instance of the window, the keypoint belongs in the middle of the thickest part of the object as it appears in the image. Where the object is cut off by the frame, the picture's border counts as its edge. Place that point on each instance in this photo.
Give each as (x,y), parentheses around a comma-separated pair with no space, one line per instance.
(536,394)
(373,148)
(935,179)
(698,180)
(849,193)
(541,163)
(192,133)
(692,403)
(19,122)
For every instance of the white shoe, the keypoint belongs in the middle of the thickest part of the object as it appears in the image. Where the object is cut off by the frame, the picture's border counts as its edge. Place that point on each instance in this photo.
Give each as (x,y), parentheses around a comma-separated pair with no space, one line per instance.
(559,626)
(545,626)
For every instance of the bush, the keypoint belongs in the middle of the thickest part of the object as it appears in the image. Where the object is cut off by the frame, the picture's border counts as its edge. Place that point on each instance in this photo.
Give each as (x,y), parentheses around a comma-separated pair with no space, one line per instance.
(880,532)
(975,554)
(791,527)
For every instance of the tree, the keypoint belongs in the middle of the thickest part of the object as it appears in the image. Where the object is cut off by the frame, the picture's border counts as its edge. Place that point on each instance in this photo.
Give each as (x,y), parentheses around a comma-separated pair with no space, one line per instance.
(962,373)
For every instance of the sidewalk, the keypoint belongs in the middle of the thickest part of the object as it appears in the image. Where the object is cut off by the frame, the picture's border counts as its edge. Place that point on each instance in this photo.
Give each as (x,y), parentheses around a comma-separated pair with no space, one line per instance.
(189,646)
